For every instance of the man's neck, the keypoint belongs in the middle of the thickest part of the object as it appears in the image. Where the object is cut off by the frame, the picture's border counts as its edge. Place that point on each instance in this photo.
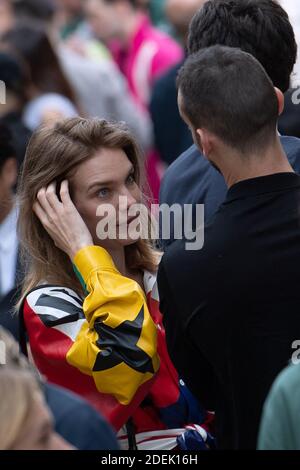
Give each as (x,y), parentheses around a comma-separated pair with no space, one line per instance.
(242,168)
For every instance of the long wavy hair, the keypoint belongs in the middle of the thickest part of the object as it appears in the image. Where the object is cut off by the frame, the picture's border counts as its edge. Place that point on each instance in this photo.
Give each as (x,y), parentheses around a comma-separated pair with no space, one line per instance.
(18,389)
(52,154)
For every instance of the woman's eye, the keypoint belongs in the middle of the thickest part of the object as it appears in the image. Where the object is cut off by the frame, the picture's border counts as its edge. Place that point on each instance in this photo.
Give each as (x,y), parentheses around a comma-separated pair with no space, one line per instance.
(130,179)
(103,192)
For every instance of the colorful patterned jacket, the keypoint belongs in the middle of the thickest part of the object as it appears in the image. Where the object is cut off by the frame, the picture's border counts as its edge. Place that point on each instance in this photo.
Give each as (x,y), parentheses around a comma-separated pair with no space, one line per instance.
(106,347)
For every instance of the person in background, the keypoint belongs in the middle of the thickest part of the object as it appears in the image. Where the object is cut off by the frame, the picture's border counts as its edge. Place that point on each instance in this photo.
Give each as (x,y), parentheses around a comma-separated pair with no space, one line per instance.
(9,246)
(70,19)
(292,9)
(74,31)
(158,14)
(172,135)
(233,23)
(142,52)
(48,95)
(41,10)
(279,429)
(74,419)
(13,74)
(26,421)
(180,14)
(6,18)
(100,89)
(289,122)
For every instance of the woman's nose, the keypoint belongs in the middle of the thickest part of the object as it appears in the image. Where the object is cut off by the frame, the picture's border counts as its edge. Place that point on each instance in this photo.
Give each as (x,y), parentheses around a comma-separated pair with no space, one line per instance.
(129,198)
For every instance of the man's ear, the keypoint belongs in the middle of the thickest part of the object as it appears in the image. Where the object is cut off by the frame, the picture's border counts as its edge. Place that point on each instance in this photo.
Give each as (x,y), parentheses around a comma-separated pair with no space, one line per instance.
(204,141)
(280,99)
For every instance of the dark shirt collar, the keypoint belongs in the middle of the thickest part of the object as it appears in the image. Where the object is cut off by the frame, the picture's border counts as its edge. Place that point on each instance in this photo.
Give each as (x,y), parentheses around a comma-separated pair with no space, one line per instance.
(263,185)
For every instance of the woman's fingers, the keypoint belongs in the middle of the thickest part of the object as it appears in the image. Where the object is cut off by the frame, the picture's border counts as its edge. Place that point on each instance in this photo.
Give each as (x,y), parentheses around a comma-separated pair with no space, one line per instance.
(40,213)
(64,193)
(45,221)
(61,219)
(44,202)
(52,198)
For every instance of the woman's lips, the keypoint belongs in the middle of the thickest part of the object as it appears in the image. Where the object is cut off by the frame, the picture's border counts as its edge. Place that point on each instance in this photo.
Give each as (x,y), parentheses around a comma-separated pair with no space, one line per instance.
(128,220)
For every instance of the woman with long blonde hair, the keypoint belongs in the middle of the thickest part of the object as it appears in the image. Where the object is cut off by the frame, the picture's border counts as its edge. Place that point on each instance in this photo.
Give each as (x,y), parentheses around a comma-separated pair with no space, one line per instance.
(26,421)
(90,301)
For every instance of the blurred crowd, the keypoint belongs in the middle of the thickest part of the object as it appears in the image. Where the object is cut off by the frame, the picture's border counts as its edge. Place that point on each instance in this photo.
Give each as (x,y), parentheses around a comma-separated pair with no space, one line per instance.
(97,59)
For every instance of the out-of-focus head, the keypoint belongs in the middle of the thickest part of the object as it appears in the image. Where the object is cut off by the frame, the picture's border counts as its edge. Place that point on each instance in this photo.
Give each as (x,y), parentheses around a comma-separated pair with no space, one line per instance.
(13,75)
(228,100)
(6,16)
(72,7)
(38,10)
(180,14)
(259,27)
(143,4)
(8,164)
(37,52)
(26,422)
(107,17)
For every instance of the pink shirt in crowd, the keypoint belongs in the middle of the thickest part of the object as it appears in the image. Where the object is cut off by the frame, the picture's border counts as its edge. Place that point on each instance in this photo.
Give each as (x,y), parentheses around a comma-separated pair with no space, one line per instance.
(150,54)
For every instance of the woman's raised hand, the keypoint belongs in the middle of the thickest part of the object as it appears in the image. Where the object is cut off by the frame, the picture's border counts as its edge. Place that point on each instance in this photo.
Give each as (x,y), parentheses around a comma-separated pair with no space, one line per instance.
(61,219)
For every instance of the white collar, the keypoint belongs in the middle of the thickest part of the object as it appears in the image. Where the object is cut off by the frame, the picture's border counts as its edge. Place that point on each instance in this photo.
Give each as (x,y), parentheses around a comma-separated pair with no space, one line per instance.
(149,281)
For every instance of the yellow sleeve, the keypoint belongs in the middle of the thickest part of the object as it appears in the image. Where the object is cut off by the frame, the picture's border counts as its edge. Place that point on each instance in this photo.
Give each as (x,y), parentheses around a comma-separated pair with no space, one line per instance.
(117,345)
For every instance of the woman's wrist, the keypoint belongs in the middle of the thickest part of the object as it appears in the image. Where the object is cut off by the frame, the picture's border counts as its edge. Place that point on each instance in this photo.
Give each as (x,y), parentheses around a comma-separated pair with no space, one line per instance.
(78,246)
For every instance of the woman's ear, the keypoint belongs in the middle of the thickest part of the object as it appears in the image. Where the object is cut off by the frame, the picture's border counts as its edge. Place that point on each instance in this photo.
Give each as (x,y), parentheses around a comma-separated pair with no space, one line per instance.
(280,99)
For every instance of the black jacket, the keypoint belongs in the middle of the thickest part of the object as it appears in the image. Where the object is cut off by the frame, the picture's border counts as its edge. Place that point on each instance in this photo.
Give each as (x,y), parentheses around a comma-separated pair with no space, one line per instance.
(232,310)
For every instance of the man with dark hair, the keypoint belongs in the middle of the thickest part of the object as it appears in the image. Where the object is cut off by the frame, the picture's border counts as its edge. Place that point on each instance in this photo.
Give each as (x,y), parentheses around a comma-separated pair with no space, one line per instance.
(261,28)
(220,96)
(231,311)
(259,20)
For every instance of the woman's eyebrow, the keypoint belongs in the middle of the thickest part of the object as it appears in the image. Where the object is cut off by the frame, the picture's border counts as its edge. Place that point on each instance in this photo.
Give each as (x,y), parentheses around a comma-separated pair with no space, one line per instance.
(100,183)
(108,183)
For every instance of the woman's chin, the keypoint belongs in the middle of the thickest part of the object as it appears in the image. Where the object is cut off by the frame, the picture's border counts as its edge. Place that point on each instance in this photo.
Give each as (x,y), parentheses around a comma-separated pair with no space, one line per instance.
(128,241)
